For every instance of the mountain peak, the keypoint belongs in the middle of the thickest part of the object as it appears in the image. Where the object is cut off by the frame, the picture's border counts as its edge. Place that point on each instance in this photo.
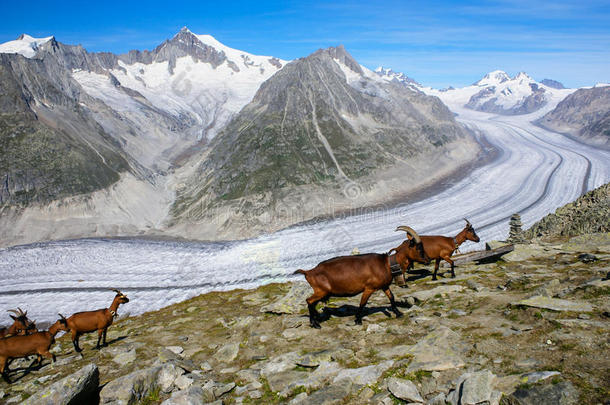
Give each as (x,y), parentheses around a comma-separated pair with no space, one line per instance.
(493,78)
(25,45)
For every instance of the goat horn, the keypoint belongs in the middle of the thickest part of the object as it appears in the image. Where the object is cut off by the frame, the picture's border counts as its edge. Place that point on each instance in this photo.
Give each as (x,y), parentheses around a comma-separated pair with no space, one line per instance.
(13,311)
(61,316)
(467,222)
(116,291)
(410,231)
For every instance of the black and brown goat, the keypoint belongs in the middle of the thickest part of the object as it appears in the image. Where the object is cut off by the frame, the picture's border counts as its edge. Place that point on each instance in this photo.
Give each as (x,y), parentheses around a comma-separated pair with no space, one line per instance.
(21,324)
(99,320)
(37,343)
(347,276)
(439,247)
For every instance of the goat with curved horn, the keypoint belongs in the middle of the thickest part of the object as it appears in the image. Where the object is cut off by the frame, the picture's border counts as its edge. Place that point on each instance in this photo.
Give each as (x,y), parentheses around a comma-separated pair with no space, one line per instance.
(439,247)
(409,231)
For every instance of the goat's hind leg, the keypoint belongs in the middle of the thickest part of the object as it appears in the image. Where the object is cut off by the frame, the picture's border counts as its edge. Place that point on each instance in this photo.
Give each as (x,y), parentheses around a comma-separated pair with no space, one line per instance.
(4,370)
(392,302)
(313,314)
(448,260)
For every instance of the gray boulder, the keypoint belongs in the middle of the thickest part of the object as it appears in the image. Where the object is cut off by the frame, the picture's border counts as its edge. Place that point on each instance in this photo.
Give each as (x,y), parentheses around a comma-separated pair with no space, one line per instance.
(190,396)
(130,388)
(364,375)
(562,393)
(227,353)
(404,389)
(437,351)
(477,388)
(78,388)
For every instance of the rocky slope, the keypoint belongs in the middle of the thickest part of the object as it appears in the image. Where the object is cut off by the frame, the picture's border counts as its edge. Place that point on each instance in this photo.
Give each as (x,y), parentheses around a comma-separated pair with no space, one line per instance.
(316,130)
(584,114)
(50,146)
(588,214)
(529,329)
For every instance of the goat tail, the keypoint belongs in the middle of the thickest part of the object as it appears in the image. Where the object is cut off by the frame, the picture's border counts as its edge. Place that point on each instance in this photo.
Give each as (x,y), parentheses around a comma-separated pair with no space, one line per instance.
(299,271)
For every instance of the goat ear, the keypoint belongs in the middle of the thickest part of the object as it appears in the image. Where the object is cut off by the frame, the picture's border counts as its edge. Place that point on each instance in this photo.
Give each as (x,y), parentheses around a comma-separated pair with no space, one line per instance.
(411,242)
(14,318)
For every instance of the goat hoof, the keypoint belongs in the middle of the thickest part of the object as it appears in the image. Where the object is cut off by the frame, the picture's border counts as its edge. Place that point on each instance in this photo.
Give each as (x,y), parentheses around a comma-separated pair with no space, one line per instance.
(434,278)
(358,321)
(398,314)
(315,325)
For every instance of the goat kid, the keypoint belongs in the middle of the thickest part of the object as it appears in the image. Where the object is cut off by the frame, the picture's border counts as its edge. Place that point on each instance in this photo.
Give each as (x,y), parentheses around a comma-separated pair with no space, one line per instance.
(439,247)
(37,343)
(90,321)
(348,276)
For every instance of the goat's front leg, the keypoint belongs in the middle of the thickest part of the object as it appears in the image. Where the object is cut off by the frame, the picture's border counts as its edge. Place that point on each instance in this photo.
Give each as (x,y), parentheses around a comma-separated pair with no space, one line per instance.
(392,302)
(436,264)
(405,267)
(75,336)
(365,297)
(104,337)
(100,332)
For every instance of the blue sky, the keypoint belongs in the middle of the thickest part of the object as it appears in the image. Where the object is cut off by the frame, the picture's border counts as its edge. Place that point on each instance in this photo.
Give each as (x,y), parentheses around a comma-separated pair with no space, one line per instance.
(438,43)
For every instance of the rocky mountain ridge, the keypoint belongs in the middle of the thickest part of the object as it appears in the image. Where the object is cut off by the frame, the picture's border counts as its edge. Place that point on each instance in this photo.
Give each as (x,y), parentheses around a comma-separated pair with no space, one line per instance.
(584,114)
(590,213)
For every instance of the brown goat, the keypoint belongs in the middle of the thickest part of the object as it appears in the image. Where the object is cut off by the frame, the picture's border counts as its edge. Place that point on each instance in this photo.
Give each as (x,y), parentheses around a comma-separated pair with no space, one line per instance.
(347,276)
(37,343)
(439,247)
(21,325)
(90,321)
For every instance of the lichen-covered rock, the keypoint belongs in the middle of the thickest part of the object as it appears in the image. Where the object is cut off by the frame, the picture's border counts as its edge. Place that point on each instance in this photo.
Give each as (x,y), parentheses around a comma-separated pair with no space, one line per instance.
(437,351)
(78,388)
(190,396)
(227,353)
(291,303)
(555,304)
(364,375)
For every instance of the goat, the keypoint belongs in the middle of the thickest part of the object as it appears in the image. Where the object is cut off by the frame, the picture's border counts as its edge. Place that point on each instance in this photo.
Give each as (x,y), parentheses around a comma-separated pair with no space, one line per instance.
(21,325)
(439,247)
(37,343)
(347,276)
(90,321)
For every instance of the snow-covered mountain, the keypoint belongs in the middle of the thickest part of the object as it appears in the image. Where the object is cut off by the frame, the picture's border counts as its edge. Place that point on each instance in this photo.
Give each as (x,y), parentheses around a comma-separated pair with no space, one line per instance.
(190,75)
(24,45)
(389,75)
(498,93)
